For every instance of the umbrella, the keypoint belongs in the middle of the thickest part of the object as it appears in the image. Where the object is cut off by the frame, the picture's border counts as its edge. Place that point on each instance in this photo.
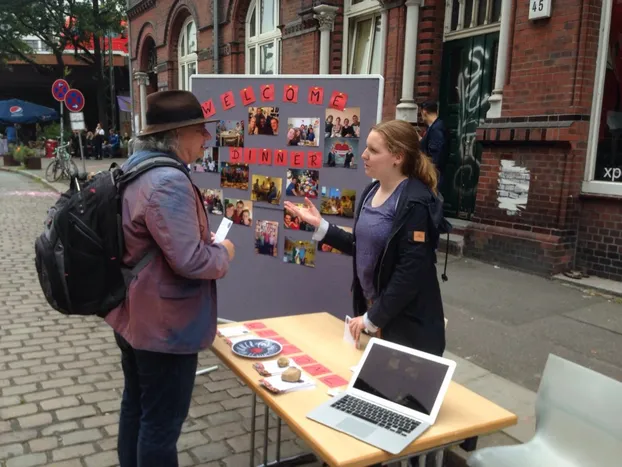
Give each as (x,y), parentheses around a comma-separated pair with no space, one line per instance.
(18,111)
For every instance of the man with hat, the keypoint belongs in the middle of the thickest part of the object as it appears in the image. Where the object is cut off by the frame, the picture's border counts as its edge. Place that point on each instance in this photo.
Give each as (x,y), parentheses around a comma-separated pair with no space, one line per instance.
(170,311)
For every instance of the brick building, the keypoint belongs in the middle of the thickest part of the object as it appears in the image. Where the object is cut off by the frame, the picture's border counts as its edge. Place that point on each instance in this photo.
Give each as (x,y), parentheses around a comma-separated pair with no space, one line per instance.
(536,180)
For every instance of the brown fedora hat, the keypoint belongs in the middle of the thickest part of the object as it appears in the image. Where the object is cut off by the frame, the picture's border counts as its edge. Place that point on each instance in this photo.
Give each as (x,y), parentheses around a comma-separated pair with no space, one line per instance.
(167,110)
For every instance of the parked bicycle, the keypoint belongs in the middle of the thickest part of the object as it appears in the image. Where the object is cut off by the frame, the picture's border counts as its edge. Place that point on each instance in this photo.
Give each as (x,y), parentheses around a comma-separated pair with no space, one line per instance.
(62,166)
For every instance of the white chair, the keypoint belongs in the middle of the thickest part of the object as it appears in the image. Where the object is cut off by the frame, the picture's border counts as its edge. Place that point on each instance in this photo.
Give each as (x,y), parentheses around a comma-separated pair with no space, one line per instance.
(578,423)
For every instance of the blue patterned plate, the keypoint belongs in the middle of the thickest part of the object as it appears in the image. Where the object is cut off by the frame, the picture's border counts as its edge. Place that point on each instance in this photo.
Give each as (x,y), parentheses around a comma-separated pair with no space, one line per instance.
(256,347)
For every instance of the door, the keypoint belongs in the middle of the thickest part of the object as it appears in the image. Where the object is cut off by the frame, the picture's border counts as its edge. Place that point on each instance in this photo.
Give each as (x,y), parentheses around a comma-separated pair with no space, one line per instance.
(467,81)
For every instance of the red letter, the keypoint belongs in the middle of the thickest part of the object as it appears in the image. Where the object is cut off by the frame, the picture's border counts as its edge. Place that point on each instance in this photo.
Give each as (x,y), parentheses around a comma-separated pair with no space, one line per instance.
(316,95)
(290,93)
(297,159)
(280,157)
(250,156)
(267,93)
(338,100)
(314,160)
(227,100)
(208,108)
(265,157)
(248,96)
(235,155)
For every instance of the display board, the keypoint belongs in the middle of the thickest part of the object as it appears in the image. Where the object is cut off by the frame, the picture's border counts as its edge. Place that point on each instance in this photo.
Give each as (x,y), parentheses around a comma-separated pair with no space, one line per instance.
(272,143)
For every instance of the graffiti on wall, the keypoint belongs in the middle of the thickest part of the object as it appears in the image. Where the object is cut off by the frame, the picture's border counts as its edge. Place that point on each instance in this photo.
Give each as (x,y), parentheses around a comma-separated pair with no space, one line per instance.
(471,101)
(513,188)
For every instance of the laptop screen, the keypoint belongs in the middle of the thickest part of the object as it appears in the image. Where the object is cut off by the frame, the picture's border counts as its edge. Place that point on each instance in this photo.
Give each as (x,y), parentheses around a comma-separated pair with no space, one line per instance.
(402,378)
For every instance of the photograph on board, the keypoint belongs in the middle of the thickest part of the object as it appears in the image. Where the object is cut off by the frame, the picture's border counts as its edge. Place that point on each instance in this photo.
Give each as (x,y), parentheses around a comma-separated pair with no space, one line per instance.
(302,182)
(345,123)
(263,121)
(266,238)
(326,248)
(337,202)
(267,189)
(209,163)
(303,131)
(234,176)
(230,133)
(299,252)
(293,222)
(213,201)
(240,211)
(341,152)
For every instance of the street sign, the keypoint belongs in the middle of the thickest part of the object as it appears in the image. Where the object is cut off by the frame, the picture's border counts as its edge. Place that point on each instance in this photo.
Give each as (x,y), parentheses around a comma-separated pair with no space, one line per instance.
(74,100)
(59,89)
(77,121)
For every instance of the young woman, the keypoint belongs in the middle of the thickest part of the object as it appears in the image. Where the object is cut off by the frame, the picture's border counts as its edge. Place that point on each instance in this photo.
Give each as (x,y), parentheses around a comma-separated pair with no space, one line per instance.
(393,243)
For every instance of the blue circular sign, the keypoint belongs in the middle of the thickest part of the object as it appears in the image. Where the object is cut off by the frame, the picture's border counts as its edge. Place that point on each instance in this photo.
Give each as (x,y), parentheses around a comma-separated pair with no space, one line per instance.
(60,89)
(74,100)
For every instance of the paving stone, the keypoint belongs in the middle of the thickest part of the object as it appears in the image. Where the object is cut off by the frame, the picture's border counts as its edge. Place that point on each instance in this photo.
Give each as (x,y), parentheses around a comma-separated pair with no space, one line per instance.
(197,411)
(36,420)
(11,450)
(19,390)
(28,460)
(57,383)
(59,403)
(77,450)
(92,397)
(41,395)
(17,411)
(43,444)
(102,459)
(81,436)
(224,431)
(186,460)
(223,417)
(191,440)
(100,420)
(221,385)
(10,400)
(75,412)
(59,428)
(240,402)
(211,452)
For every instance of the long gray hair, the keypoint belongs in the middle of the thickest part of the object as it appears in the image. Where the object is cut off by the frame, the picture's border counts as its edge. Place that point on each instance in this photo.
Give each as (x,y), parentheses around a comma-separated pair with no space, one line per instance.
(165,141)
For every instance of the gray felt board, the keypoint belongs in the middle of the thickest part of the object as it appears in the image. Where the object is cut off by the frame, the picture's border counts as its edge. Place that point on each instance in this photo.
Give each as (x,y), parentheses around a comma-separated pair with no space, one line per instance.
(260,286)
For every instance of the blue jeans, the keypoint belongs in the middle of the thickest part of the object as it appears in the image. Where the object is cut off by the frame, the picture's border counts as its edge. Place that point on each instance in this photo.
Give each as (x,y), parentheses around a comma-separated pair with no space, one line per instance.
(156,400)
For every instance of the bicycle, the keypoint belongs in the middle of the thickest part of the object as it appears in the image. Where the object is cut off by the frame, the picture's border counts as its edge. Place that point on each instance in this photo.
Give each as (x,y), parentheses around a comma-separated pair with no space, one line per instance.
(62,166)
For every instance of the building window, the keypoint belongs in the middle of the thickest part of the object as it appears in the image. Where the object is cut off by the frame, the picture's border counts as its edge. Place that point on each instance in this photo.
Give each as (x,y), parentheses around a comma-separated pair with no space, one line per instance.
(364,44)
(187,50)
(603,173)
(263,38)
(469,17)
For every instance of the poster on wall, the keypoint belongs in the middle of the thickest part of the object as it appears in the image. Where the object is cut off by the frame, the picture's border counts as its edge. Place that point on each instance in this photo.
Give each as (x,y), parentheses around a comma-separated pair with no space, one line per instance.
(276,139)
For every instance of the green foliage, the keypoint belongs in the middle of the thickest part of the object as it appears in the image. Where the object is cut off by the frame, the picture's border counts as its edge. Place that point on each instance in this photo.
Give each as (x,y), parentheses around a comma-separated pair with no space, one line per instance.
(23,152)
(52,131)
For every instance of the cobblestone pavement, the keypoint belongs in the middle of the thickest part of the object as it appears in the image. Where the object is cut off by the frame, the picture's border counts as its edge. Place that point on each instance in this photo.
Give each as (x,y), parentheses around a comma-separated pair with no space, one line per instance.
(61,381)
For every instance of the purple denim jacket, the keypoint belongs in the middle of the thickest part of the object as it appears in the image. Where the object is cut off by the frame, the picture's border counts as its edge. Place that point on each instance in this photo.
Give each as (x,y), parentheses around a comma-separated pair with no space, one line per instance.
(170,306)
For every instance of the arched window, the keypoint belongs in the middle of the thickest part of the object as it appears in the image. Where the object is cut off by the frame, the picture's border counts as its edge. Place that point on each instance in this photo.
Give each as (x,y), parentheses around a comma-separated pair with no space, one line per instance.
(263,38)
(187,53)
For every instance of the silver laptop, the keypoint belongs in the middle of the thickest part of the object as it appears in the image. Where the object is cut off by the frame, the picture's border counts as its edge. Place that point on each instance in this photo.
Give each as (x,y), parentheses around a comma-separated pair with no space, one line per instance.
(393,397)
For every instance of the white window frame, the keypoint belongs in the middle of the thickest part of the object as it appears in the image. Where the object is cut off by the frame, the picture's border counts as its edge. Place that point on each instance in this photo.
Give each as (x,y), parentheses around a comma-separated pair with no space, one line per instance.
(262,39)
(590,185)
(353,13)
(463,32)
(183,62)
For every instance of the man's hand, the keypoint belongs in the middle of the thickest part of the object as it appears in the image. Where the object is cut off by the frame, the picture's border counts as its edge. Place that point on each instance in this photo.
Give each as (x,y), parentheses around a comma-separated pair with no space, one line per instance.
(230,248)
(356,327)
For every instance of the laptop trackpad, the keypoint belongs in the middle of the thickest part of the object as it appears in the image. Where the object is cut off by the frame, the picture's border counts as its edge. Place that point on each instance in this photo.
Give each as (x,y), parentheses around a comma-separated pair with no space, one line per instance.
(356,428)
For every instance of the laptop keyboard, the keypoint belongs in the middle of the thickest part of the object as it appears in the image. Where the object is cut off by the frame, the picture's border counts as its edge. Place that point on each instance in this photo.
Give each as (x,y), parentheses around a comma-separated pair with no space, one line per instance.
(375,414)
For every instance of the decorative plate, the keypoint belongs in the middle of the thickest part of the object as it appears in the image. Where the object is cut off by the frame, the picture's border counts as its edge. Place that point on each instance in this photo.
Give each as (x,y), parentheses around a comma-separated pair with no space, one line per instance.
(255,347)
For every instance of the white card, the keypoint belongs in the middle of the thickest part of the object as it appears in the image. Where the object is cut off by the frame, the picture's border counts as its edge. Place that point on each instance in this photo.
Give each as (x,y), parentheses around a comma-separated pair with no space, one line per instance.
(233,331)
(346,333)
(223,230)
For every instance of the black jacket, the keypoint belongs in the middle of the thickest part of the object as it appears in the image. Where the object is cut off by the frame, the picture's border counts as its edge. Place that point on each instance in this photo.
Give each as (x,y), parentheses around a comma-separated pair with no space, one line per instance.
(409,309)
(435,143)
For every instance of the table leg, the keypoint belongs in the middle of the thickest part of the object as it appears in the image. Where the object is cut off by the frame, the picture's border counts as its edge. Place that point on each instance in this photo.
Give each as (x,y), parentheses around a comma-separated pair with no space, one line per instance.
(278,439)
(266,425)
(422,459)
(439,458)
(253,409)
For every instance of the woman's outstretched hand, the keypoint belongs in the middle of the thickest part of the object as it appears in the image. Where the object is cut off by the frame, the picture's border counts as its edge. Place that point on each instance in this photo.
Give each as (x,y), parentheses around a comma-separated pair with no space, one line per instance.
(308,213)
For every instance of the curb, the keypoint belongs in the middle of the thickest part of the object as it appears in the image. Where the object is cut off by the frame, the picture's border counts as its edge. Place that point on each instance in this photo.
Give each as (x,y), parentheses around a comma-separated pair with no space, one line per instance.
(33,177)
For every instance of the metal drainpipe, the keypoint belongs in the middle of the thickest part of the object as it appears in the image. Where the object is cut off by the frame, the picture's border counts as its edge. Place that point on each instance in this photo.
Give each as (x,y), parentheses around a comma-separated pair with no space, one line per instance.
(216,30)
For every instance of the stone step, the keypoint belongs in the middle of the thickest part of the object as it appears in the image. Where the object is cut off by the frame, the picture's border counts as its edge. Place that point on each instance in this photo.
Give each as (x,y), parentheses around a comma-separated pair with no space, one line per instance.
(456,244)
(459,225)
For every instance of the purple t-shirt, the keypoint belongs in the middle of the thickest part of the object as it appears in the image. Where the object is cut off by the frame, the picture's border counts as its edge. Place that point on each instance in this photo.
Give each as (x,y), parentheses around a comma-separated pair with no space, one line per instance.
(373,228)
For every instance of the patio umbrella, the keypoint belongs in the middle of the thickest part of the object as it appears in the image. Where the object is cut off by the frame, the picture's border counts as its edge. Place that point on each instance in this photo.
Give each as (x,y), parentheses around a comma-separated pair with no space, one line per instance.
(18,111)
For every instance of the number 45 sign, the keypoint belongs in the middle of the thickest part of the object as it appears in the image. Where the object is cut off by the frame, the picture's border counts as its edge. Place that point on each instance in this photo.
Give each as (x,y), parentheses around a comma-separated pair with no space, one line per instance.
(539,9)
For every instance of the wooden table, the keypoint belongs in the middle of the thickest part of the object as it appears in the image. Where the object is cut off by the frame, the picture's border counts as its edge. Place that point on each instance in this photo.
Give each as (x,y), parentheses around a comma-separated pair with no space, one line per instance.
(463,414)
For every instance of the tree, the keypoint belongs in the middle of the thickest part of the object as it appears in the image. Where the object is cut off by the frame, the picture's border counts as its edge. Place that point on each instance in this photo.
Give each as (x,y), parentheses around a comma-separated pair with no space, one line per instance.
(80,25)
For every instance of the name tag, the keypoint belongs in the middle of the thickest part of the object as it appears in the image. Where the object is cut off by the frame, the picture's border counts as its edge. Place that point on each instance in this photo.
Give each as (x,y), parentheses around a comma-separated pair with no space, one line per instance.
(418,236)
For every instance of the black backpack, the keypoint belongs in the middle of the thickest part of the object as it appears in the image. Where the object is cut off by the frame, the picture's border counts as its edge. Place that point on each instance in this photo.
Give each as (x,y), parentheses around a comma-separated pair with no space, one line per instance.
(79,254)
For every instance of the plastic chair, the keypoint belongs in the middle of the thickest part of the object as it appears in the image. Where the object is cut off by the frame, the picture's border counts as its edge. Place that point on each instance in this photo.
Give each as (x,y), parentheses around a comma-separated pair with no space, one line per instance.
(578,422)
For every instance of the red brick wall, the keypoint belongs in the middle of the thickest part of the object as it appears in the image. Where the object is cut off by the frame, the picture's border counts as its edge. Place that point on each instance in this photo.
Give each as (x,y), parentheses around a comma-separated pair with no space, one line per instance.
(599,249)
(552,61)
(429,50)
